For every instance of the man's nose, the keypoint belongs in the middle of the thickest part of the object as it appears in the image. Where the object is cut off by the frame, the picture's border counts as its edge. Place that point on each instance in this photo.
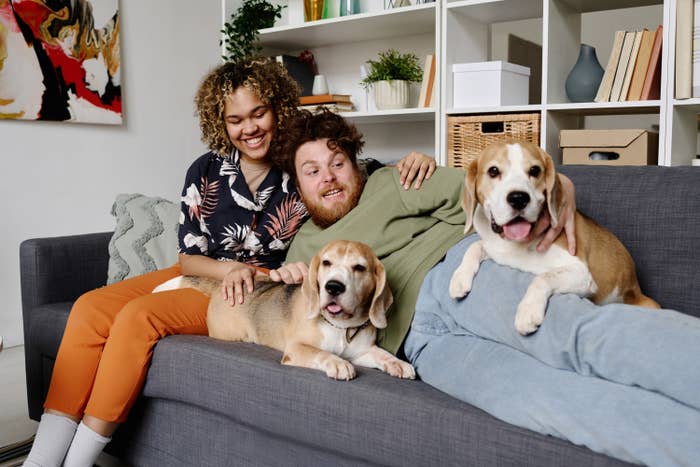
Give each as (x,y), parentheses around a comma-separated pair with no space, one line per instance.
(327,175)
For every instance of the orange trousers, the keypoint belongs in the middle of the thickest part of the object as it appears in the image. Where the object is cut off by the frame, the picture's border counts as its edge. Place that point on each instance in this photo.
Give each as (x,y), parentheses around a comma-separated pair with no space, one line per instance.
(108,343)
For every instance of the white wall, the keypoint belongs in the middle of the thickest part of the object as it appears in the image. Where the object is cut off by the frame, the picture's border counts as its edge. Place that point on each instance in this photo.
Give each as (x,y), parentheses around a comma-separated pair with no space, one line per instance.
(61,178)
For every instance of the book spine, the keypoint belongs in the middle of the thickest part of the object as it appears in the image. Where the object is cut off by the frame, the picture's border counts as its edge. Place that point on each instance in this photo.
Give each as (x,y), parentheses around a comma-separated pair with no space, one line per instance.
(684,49)
(605,87)
(696,48)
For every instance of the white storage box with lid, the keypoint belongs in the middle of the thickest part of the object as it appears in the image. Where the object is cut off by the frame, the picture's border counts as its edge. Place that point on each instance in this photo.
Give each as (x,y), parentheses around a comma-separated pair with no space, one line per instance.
(486,84)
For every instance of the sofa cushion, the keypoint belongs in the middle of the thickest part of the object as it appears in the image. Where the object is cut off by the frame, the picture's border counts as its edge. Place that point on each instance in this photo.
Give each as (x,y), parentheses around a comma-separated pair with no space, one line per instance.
(376,417)
(654,212)
(145,237)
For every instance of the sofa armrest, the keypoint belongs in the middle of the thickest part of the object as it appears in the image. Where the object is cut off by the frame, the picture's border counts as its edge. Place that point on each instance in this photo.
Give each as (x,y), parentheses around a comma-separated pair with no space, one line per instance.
(60,269)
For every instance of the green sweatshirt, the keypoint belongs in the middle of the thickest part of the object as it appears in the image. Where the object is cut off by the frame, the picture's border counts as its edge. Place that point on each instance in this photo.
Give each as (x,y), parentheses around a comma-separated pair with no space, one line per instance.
(409,230)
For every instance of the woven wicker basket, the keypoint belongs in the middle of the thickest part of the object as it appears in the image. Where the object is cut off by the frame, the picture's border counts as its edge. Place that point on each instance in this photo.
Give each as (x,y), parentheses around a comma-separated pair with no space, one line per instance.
(468,135)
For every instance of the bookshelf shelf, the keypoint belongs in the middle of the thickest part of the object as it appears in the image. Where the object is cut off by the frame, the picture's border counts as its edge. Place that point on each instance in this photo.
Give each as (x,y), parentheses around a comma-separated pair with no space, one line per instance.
(500,109)
(418,19)
(466,31)
(608,108)
(392,116)
(497,11)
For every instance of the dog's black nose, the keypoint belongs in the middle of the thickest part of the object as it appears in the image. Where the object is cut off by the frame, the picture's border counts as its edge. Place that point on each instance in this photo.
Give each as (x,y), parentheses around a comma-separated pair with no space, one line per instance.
(334,287)
(518,199)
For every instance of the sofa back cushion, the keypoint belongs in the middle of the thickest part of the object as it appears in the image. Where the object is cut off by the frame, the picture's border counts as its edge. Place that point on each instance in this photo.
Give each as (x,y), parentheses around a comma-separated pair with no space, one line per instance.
(655,212)
(145,237)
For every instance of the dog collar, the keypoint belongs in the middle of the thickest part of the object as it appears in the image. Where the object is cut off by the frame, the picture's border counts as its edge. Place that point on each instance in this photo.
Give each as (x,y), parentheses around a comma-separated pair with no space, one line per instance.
(350,333)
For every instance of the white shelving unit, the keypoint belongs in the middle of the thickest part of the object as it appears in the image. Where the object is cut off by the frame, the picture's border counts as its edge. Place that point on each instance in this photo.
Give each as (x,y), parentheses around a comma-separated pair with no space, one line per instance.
(462,31)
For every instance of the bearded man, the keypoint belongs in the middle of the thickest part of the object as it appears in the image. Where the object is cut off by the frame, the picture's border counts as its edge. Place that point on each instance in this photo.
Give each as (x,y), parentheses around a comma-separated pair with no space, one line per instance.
(588,375)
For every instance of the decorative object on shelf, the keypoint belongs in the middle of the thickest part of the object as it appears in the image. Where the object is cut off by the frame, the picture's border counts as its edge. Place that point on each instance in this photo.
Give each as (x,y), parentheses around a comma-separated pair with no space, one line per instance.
(241,31)
(584,79)
(609,147)
(489,84)
(313,10)
(386,74)
(467,135)
(320,85)
(331,9)
(390,95)
(388,4)
(349,7)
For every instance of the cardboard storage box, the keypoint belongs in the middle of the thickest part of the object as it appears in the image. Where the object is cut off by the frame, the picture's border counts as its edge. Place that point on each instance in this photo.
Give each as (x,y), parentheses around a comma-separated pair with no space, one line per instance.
(609,147)
(487,84)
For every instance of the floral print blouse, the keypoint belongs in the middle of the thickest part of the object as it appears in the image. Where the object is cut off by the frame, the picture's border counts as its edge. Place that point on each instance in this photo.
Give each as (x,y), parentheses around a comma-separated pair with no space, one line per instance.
(222,219)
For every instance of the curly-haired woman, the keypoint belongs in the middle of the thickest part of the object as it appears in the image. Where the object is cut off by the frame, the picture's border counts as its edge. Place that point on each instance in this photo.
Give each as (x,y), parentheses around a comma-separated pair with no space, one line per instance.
(238,213)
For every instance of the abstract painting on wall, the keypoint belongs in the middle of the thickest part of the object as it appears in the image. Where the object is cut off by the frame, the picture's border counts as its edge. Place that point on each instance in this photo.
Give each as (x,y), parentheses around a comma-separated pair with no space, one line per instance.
(59,60)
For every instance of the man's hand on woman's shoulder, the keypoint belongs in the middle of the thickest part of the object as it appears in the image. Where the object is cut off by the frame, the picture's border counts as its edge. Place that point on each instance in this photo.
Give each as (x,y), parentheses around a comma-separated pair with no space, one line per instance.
(415,168)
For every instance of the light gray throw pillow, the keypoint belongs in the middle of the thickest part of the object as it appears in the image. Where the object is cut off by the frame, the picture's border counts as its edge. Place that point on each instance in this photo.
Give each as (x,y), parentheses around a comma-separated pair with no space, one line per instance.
(145,237)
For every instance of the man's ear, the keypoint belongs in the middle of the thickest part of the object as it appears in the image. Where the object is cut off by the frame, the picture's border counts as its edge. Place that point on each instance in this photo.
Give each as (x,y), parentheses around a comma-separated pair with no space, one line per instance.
(382,299)
(552,188)
(469,193)
(310,290)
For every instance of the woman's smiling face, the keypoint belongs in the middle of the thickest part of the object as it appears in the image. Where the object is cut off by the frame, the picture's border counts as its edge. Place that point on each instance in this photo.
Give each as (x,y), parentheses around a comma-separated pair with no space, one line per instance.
(250,123)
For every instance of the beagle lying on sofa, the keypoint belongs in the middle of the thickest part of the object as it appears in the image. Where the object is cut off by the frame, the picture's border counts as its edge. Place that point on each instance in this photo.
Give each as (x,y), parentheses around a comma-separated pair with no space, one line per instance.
(328,323)
(507,188)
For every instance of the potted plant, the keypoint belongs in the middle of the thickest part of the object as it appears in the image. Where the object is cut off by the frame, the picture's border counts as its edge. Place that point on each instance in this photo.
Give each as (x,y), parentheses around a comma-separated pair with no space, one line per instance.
(390,76)
(241,31)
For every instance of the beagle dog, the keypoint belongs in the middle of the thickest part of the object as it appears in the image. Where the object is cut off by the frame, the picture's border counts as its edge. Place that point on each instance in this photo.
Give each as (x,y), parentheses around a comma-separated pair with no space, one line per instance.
(328,323)
(507,188)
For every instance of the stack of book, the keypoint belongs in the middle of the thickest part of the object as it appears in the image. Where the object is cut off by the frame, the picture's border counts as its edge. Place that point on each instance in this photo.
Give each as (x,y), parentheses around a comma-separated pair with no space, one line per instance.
(332,102)
(633,72)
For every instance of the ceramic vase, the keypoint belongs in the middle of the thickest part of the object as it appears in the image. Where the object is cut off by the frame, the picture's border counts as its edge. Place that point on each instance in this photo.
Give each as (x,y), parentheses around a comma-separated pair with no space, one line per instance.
(390,94)
(585,77)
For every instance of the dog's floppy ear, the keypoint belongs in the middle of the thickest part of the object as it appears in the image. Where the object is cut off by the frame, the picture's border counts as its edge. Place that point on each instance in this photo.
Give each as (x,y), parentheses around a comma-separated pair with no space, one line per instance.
(382,299)
(309,288)
(469,194)
(552,188)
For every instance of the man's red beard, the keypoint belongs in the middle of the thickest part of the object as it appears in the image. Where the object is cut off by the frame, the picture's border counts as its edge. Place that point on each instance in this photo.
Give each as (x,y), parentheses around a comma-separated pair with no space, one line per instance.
(323,216)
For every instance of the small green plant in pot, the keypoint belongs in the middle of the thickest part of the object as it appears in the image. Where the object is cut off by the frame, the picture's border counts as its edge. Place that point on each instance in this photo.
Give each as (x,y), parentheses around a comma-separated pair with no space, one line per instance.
(390,77)
(241,31)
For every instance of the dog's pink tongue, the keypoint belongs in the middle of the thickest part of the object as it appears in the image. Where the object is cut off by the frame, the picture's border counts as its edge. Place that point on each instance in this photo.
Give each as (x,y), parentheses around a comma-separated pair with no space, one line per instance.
(517,230)
(334,308)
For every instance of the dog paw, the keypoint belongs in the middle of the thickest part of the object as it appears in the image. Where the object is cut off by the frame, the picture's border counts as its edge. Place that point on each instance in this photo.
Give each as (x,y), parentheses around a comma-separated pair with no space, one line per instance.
(529,316)
(338,368)
(400,369)
(460,284)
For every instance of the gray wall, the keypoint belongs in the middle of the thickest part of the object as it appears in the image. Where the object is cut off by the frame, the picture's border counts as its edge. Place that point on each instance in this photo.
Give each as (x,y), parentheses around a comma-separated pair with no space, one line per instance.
(61,178)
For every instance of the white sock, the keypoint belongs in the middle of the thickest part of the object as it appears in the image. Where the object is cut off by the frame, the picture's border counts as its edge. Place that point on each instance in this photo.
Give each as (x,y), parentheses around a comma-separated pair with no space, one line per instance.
(53,437)
(85,448)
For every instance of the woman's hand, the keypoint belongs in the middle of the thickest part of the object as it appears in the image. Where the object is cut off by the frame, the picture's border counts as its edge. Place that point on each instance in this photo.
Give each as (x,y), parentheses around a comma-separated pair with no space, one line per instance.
(566,221)
(240,276)
(292,273)
(415,167)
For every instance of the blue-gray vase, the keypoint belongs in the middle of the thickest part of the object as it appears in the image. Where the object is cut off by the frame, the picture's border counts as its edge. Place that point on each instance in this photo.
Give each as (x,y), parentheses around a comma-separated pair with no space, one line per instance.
(585,77)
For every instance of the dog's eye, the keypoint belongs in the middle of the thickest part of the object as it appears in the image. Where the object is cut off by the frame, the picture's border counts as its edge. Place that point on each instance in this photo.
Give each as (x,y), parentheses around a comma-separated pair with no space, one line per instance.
(359,268)
(326,263)
(494,172)
(535,171)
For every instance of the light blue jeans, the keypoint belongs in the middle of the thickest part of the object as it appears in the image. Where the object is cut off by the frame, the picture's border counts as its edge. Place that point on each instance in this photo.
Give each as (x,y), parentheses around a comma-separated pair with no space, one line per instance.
(621,380)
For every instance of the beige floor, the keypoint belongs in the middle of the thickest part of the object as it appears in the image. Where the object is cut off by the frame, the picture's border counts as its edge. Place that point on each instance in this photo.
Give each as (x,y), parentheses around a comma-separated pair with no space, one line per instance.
(15,424)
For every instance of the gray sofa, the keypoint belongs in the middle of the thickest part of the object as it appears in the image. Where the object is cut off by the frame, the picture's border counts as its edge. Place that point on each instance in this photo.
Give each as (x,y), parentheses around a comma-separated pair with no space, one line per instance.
(211,403)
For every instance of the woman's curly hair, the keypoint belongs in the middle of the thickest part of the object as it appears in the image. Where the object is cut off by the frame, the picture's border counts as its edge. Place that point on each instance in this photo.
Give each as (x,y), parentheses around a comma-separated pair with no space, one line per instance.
(306,126)
(266,78)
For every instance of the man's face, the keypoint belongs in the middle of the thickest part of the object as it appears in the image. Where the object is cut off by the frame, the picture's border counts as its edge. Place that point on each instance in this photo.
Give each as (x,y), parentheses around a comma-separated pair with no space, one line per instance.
(329,184)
